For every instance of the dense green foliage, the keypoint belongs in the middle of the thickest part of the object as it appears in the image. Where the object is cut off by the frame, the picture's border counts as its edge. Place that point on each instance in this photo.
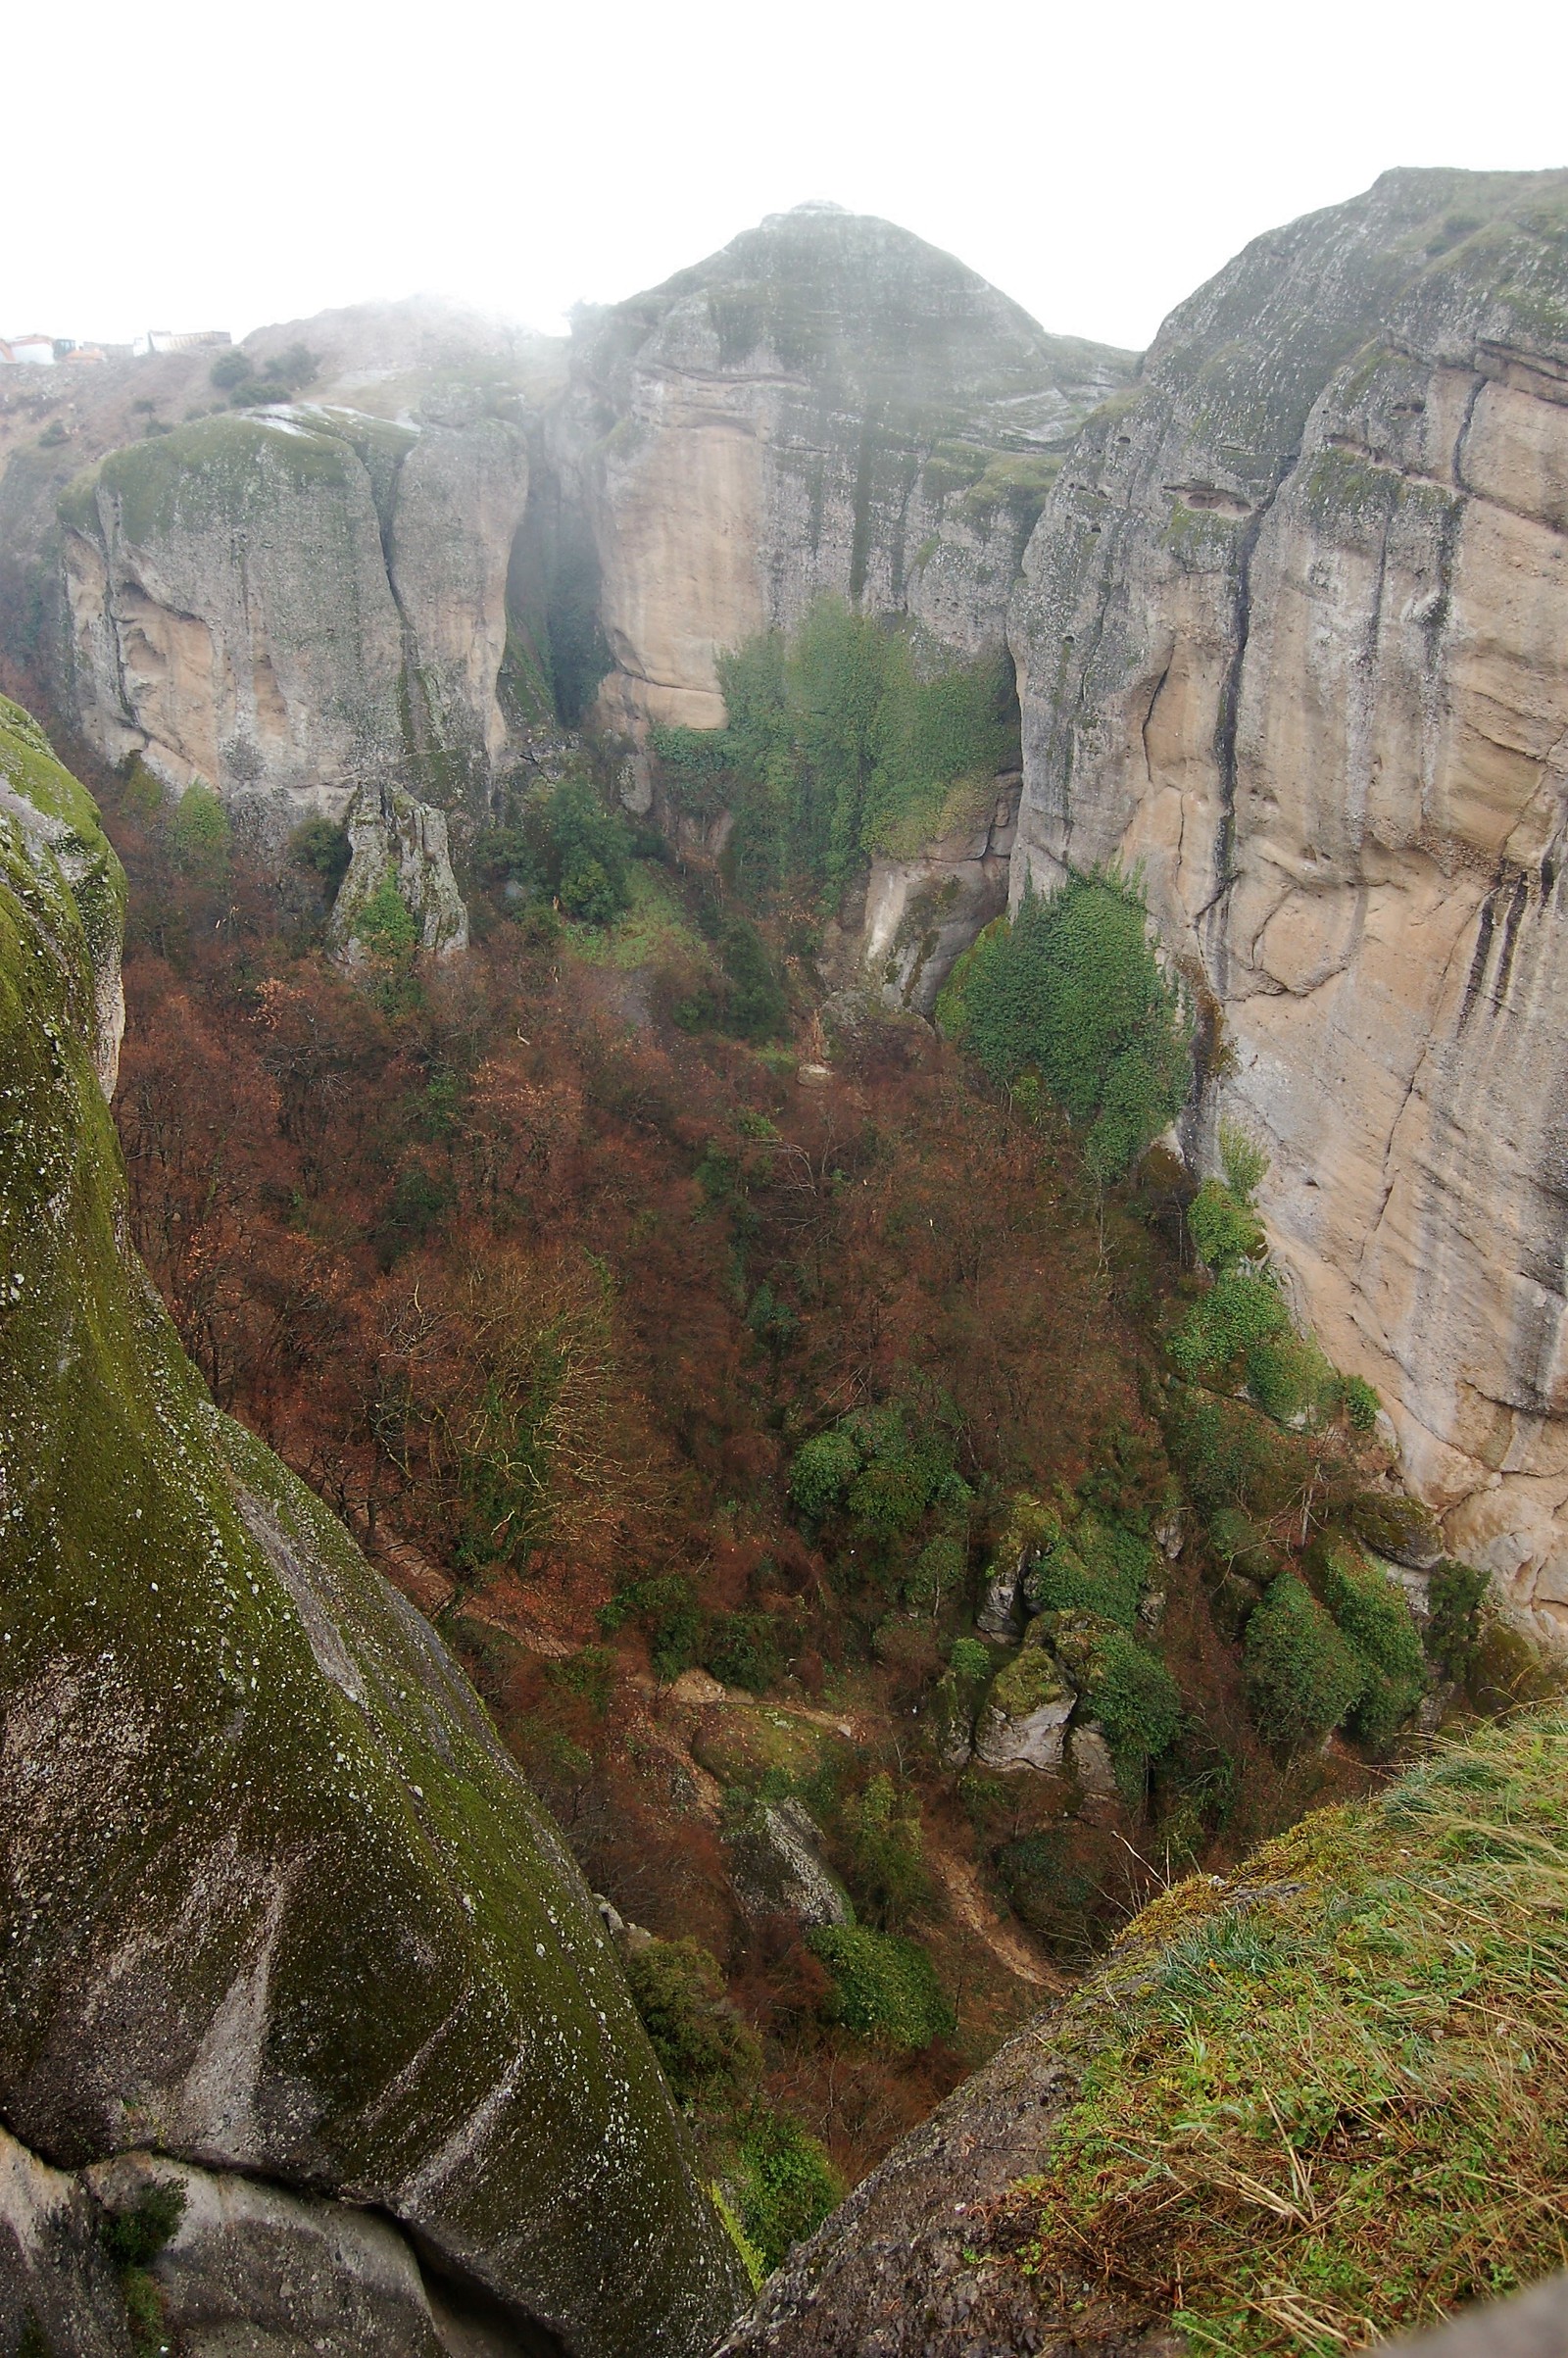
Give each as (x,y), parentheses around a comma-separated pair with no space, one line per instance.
(563,845)
(1374,1614)
(787,2185)
(886,1852)
(385,926)
(1095,1565)
(134,2237)
(848,737)
(250,383)
(740,1648)
(200,837)
(1071,991)
(1302,1675)
(708,2053)
(322,849)
(1127,1688)
(885,1988)
(884,1467)
(1454,1596)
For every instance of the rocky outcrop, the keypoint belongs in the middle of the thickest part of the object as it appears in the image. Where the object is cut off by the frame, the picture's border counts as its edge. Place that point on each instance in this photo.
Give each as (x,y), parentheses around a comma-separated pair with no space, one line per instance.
(292,604)
(1023,1723)
(828,404)
(778,1867)
(930,2256)
(278,1901)
(247,2269)
(1290,634)
(398,841)
(922,912)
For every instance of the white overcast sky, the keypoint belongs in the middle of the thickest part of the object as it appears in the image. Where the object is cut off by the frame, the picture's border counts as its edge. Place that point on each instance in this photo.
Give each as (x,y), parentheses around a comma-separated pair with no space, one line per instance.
(201,164)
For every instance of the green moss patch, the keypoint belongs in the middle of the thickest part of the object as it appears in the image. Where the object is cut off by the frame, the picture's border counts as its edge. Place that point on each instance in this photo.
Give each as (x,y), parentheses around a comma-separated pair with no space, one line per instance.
(1328,2101)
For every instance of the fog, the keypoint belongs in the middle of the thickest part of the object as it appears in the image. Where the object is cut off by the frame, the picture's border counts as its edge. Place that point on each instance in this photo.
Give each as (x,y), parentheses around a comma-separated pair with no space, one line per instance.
(187,166)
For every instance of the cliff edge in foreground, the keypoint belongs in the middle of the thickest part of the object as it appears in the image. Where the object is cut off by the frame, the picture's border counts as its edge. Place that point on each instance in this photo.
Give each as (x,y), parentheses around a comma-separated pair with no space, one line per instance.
(1318,2103)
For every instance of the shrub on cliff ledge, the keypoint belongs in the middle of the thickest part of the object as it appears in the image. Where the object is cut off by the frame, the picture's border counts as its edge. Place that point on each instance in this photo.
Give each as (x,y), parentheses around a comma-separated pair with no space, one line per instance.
(708,2054)
(1302,1675)
(1072,990)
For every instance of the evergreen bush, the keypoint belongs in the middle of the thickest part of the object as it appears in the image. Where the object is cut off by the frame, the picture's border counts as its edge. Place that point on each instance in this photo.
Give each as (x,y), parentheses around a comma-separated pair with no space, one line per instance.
(1303,1674)
(787,2185)
(708,2054)
(884,1987)
(1375,1615)
(1071,989)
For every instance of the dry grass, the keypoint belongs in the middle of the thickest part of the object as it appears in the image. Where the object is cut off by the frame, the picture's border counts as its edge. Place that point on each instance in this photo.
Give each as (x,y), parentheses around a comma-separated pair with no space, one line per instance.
(1329,2101)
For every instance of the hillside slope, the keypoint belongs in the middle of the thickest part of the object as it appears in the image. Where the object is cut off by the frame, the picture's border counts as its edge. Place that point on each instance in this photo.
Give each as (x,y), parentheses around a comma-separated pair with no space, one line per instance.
(1319,2102)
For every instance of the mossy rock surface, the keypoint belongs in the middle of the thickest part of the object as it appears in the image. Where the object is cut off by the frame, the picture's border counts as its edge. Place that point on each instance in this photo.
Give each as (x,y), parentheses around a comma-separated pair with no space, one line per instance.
(277,1899)
(746,1744)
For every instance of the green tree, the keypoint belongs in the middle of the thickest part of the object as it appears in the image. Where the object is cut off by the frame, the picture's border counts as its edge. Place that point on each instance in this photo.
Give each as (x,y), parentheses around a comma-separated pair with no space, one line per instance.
(385,924)
(708,2054)
(1072,989)
(787,2185)
(200,838)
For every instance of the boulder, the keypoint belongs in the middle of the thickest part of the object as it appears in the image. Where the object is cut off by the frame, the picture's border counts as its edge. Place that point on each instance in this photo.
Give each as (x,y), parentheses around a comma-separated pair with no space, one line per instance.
(1023,1721)
(1089,1759)
(778,1869)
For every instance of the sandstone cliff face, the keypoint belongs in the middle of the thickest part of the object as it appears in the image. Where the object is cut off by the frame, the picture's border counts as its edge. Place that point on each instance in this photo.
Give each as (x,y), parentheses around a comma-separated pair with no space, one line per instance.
(1291,633)
(828,404)
(278,1901)
(291,605)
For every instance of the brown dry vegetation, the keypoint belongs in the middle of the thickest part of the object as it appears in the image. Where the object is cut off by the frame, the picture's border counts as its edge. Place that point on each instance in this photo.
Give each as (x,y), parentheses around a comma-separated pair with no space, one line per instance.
(384,1219)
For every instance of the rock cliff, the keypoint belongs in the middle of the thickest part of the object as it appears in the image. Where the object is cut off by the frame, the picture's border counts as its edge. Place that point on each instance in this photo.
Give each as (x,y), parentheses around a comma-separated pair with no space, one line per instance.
(827,404)
(277,1904)
(293,603)
(1289,634)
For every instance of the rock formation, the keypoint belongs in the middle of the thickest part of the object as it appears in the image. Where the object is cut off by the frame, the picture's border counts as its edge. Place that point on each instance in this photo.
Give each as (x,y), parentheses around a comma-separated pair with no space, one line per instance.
(291,605)
(828,404)
(394,838)
(1289,634)
(920,914)
(278,1902)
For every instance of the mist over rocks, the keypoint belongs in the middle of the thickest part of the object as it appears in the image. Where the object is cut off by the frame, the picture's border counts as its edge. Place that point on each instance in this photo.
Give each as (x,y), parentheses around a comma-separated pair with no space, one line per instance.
(827,404)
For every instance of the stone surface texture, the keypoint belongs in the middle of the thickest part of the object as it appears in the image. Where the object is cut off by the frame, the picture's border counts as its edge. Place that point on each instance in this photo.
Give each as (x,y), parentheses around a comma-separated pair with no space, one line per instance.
(779,1869)
(1293,634)
(278,1900)
(391,834)
(922,914)
(291,603)
(827,404)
